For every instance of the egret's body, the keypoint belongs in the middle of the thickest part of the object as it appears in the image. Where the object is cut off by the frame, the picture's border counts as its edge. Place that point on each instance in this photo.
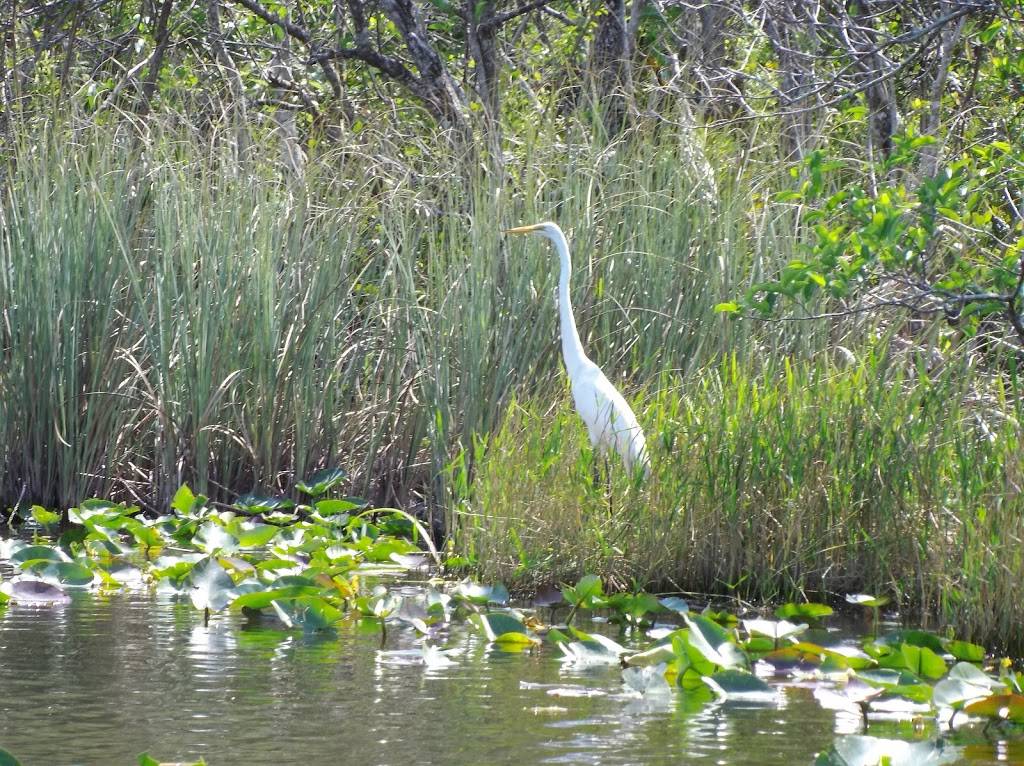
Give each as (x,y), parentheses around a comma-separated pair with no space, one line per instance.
(610,421)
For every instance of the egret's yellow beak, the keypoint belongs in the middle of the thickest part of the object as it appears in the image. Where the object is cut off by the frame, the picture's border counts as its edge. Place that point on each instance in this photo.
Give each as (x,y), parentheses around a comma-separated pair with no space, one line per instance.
(523,229)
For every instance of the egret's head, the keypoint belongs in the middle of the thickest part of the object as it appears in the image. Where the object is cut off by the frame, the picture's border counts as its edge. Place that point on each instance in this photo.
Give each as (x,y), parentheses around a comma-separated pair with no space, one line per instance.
(545,229)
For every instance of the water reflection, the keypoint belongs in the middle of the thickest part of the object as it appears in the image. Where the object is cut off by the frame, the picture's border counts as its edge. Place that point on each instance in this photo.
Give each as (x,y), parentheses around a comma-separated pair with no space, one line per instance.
(104,678)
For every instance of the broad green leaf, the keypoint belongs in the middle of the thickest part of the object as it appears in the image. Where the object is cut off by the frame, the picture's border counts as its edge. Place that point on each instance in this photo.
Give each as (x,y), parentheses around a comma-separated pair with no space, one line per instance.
(922,661)
(211,537)
(807,611)
(497,624)
(588,592)
(45,517)
(321,482)
(254,504)
(476,593)
(211,587)
(38,553)
(713,642)
(963,650)
(337,506)
(1005,707)
(63,572)
(739,684)
(183,501)
(772,629)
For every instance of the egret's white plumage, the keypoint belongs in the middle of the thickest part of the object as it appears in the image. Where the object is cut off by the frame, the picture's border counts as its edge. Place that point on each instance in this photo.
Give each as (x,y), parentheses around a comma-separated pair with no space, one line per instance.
(609,419)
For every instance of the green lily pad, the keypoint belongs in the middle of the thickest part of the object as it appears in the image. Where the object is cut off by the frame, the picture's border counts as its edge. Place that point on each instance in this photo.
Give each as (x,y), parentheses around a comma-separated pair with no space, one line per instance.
(963,650)
(45,517)
(62,572)
(807,611)
(211,587)
(739,684)
(321,482)
(923,662)
(38,553)
(588,592)
(775,630)
(713,642)
(1004,707)
(254,504)
(497,624)
(475,593)
(675,604)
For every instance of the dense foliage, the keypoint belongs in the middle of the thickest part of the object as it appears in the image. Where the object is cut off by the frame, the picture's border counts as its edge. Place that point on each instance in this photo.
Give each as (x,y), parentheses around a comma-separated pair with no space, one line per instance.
(243,240)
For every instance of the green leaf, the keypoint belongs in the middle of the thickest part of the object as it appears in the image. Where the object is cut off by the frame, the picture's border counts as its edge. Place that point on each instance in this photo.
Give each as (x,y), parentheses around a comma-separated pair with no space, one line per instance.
(482,595)
(497,624)
(588,592)
(964,650)
(922,661)
(253,503)
(1005,707)
(739,684)
(64,572)
(772,629)
(334,506)
(37,553)
(808,611)
(45,517)
(727,307)
(183,501)
(713,642)
(211,587)
(6,759)
(321,482)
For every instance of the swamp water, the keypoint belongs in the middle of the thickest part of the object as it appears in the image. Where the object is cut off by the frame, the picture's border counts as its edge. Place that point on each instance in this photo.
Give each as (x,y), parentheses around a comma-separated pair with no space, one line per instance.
(105,677)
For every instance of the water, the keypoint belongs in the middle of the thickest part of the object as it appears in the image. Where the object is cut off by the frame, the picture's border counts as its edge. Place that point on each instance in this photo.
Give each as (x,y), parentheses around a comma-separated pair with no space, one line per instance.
(107,677)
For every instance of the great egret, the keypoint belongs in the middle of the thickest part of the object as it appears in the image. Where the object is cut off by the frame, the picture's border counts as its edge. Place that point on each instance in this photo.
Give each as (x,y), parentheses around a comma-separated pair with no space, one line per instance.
(610,421)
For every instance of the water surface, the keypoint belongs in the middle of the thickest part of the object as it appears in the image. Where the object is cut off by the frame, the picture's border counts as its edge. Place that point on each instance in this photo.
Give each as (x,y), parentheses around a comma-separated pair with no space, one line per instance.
(106,677)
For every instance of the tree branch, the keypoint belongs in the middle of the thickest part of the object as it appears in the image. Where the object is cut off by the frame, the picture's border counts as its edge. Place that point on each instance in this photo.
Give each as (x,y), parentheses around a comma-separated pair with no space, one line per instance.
(502,18)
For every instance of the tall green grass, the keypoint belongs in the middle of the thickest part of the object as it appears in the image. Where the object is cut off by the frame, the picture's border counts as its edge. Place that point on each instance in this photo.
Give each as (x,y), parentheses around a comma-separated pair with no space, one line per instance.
(174,313)
(177,314)
(806,479)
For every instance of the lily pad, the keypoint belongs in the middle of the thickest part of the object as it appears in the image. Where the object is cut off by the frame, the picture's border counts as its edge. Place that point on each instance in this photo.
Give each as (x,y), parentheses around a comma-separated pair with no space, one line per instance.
(321,482)
(733,684)
(212,587)
(35,593)
(806,611)
(256,504)
(714,642)
(1004,707)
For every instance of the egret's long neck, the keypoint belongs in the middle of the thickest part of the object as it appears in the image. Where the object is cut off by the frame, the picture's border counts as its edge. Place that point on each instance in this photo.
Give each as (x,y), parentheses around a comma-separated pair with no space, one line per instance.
(572,348)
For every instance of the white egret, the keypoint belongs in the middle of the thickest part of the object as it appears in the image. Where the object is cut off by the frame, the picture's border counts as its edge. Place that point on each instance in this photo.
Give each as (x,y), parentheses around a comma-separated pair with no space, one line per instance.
(609,419)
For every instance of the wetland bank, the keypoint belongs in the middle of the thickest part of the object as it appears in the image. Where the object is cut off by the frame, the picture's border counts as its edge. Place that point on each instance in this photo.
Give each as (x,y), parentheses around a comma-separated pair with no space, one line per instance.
(254,293)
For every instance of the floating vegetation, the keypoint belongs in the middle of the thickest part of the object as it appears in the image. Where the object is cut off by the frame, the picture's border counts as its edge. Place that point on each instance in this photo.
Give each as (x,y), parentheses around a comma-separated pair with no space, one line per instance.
(310,567)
